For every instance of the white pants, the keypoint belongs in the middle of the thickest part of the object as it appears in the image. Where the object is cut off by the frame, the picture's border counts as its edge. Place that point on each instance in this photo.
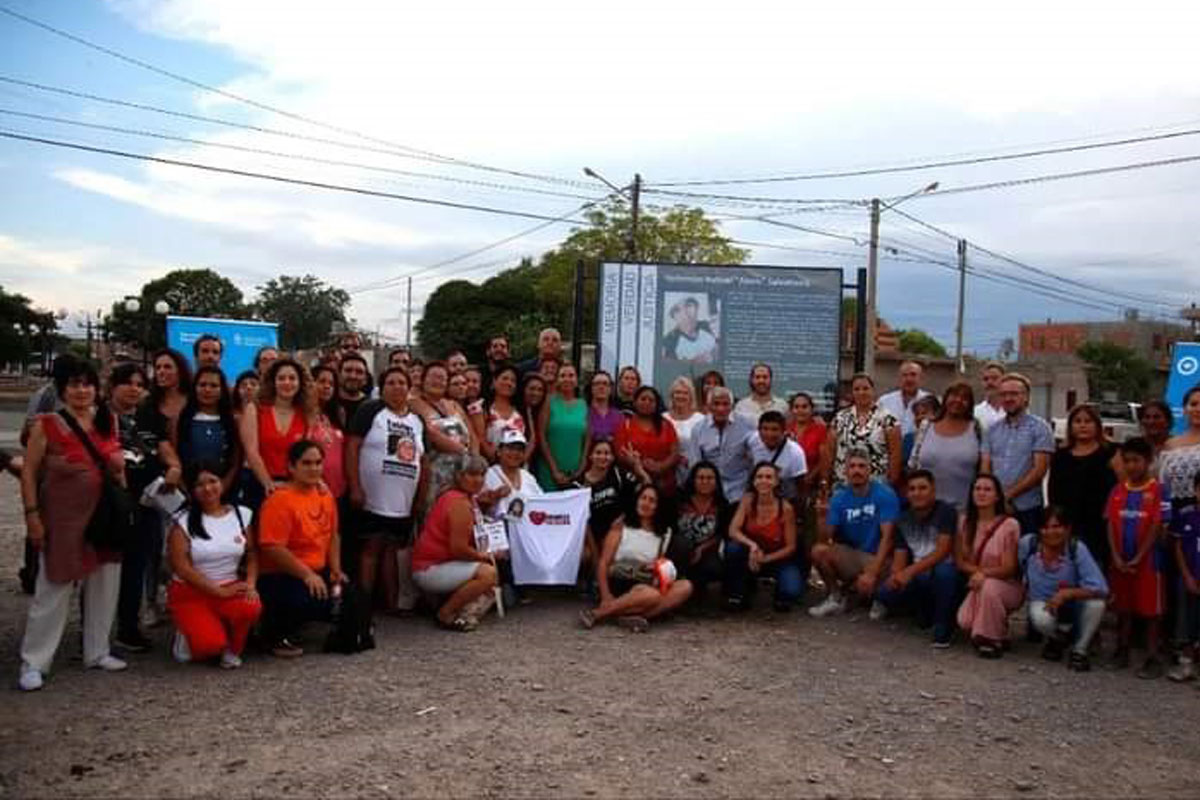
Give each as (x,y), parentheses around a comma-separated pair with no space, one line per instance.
(1082,617)
(52,604)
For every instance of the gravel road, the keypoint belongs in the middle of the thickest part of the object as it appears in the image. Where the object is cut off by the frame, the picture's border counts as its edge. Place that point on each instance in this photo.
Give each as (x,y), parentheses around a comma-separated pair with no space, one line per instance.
(531,706)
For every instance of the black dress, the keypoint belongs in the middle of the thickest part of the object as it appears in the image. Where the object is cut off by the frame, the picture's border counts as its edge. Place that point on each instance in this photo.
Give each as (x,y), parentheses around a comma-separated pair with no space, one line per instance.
(1081,485)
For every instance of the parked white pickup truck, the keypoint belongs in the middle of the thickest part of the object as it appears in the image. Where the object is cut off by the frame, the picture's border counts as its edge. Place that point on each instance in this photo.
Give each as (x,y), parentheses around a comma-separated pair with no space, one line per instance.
(1120,421)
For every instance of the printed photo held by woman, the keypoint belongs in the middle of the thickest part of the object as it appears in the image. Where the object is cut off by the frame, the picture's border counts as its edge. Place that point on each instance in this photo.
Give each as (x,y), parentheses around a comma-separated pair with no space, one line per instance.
(986,553)
(69,457)
(867,426)
(506,488)
(384,451)
(213,596)
(635,580)
(562,432)
(446,563)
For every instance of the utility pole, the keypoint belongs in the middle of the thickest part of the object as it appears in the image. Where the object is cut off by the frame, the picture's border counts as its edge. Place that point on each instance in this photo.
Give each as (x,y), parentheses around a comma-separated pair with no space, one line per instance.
(872,302)
(962,299)
(635,205)
(408,331)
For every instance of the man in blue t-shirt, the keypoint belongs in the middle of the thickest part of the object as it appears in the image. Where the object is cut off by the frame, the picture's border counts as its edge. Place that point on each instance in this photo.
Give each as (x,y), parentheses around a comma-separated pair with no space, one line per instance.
(923,574)
(856,535)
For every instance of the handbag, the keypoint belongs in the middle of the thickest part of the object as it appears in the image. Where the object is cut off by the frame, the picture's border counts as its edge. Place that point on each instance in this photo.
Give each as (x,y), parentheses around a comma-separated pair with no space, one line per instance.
(111,525)
(635,567)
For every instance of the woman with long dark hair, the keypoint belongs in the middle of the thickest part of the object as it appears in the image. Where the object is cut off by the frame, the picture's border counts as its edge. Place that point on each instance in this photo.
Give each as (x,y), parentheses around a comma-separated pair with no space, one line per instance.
(630,590)
(762,541)
(61,486)
(206,430)
(701,526)
(985,551)
(328,429)
(213,597)
(281,416)
(1083,473)
(949,446)
(650,439)
(612,487)
(504,413)
(447,431)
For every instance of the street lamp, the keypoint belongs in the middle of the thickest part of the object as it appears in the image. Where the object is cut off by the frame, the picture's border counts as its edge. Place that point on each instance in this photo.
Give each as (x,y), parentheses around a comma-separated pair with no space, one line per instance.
(635,198)
(133,305)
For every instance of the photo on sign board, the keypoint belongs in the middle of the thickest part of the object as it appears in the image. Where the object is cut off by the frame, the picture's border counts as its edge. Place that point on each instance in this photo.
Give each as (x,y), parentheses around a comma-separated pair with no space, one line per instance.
(691,328)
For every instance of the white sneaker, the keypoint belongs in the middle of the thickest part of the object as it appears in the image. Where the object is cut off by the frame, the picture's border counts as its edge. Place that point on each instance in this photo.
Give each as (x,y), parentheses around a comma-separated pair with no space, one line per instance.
(230,660)
(180,650)
(830,605)
(878,611)
(108,663)
(31,680)
(1185,670)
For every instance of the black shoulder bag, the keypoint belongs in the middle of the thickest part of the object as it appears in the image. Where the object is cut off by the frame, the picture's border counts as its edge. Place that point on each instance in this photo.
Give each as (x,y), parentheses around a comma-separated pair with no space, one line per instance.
(111,525)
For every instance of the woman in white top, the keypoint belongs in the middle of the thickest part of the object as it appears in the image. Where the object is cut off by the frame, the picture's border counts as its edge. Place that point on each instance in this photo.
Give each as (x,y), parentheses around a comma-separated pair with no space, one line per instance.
(213,602)
(684,415)
(384,449)
(631,588)
(507,480)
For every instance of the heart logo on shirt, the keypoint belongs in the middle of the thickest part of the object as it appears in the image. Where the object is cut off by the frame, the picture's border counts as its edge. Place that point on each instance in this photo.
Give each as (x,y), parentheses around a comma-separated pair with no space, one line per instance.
(537,517)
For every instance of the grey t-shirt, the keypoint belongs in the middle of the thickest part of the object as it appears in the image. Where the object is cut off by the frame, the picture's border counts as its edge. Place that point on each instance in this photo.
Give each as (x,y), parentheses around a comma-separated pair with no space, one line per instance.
(953,460)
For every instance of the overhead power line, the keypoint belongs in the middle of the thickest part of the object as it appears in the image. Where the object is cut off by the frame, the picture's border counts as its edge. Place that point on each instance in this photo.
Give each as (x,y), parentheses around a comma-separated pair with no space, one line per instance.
(955,162)
(280,154)
(275,178)
(1132,296)
(267,107)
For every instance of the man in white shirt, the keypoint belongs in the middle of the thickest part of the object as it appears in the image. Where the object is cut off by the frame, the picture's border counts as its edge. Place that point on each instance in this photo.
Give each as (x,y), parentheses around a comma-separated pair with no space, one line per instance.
(989,409)
(760,399)
(771,444)
(899,403)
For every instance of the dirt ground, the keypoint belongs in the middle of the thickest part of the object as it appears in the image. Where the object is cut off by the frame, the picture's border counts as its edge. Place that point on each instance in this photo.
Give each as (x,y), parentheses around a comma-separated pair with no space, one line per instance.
(761,704)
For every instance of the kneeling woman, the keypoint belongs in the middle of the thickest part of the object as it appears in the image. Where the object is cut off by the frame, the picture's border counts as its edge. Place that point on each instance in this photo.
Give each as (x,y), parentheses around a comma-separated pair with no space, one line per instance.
(762,541)
(986,552)
(625,574)
(212,606)
(302,578)
(445,560)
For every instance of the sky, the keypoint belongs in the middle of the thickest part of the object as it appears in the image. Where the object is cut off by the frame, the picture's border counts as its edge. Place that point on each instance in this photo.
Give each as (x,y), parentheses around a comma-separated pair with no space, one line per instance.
(672,91)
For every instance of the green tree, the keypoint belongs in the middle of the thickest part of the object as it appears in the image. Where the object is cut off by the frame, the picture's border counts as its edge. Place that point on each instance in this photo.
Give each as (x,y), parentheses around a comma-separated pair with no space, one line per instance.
(188,293)
(918,342)
(521,301)
(304,307)
(22,327)
(1113,368)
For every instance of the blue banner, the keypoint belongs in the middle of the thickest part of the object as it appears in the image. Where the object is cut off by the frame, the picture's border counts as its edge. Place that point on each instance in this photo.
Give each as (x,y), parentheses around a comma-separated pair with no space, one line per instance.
(1185,373)
(240,340)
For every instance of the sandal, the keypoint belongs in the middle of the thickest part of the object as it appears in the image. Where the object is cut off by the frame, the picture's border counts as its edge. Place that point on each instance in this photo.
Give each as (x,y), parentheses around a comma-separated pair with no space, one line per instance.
(587,619)
(459,625)
(634,623)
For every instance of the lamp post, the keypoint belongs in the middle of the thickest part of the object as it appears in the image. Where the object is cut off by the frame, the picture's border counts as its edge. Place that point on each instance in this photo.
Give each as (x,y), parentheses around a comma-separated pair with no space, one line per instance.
(133,305)
(23,334)
(635,202)
(873,268)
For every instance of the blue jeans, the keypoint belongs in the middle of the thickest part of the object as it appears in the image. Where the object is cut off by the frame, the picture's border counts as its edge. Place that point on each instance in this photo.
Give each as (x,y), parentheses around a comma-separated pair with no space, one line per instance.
(932,595)
(740,582)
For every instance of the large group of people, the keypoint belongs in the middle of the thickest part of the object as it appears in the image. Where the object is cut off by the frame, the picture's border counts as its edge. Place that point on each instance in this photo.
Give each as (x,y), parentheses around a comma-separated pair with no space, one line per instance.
(302,494)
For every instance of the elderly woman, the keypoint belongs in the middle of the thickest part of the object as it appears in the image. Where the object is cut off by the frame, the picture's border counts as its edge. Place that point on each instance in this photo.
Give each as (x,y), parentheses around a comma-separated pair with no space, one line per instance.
(625,574)
(213,597)
(68,457)
(445,560)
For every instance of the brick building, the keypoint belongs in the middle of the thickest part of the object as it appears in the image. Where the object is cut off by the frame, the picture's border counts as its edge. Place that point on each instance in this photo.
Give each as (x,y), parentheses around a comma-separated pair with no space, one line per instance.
(1058,341)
